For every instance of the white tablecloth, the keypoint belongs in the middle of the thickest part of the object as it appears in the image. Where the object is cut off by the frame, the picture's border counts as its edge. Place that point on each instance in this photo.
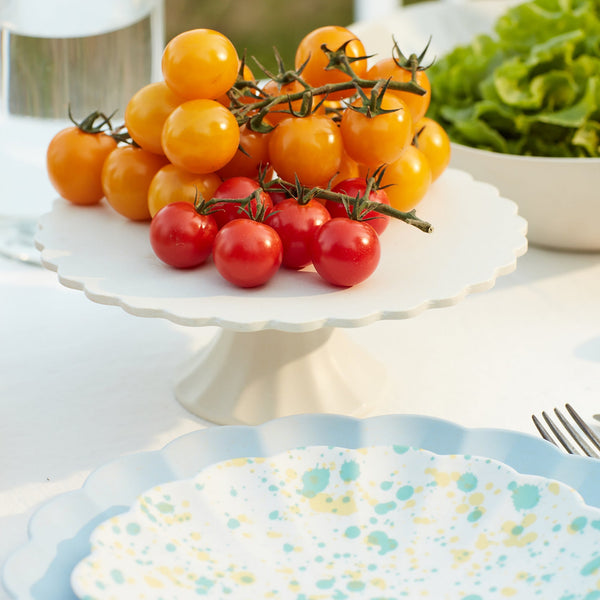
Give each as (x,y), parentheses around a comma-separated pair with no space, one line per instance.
(82,383)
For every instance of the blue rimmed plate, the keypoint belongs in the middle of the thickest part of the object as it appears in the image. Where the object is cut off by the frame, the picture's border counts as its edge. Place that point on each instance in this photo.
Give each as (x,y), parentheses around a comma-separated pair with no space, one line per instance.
(328,522)
(60,530)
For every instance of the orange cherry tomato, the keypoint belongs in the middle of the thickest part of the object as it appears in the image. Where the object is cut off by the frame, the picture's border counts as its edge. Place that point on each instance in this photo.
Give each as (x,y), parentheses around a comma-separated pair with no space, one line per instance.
(387,68)
(308,147)
(126,178)
(408,178)
(74,161)
(379,139)
(146,113)
(172,184)
(200,63)
(315,73)
(433,141)
(200,136)
(254,157)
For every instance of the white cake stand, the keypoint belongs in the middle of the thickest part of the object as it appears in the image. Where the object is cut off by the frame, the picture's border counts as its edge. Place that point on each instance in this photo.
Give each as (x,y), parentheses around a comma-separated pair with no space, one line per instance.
(281,350)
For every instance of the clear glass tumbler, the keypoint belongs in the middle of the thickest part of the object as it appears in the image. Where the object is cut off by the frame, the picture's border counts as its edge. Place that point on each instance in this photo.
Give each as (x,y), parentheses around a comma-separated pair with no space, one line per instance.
(54,54)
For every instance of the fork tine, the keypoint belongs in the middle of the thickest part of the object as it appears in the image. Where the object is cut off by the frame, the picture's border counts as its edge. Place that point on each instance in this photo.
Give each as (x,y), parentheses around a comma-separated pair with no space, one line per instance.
(592,436)
(559,436)
(587,450)
(543,432)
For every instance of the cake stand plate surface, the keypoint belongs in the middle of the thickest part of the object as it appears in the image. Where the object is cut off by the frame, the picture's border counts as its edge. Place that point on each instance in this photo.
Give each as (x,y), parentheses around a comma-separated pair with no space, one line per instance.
(279,351)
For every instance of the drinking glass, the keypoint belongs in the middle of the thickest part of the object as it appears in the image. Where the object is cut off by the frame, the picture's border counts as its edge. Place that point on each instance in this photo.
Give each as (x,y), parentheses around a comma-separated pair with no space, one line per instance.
(54,54)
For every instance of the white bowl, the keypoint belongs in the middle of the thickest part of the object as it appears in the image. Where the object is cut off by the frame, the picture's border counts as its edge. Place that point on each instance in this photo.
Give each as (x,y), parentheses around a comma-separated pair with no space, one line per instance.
(559,197)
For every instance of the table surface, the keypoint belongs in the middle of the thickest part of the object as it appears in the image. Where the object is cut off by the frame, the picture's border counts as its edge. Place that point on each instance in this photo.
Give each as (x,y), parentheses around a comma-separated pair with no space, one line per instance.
(83,383)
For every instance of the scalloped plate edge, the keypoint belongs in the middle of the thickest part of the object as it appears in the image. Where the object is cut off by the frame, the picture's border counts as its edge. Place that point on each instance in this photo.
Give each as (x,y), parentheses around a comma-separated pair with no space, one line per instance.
(187,454)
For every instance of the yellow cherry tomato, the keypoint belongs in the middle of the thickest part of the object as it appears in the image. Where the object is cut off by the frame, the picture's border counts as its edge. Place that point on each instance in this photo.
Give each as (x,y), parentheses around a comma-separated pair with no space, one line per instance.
(126,177)
(310,148)
(409,178)
(200,63)
(315,73)
(200,136)
(433,141)
(172,184)
(387,68)
(146,113)
(373,140)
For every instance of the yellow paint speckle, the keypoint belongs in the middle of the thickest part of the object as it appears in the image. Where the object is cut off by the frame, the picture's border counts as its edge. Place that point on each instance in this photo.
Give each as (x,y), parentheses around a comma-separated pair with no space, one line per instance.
(344,504)
(508,591)
(476,499)
(483,542)
(379,583)
(153,582)
(554,488)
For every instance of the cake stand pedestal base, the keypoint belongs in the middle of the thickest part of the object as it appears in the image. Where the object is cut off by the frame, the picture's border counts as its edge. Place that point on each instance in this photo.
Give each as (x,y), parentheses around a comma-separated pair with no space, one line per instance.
(251,377)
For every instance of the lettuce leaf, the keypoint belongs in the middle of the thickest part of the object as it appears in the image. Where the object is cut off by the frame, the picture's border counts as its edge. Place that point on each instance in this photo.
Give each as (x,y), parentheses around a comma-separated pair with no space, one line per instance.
(532,87)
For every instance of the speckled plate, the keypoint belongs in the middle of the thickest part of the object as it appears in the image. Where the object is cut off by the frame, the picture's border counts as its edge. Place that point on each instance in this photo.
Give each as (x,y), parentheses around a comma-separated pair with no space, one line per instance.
(326,522)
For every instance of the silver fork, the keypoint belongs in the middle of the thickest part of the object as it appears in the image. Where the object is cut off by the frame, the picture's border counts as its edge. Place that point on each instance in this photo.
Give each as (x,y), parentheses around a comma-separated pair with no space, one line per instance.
(585,448)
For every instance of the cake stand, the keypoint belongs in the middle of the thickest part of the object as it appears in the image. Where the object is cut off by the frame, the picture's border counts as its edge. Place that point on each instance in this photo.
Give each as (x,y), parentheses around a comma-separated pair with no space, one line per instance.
(281,349)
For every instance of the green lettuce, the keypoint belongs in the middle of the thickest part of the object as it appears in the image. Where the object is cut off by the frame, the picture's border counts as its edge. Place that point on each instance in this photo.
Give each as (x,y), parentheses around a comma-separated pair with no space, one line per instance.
(532,87)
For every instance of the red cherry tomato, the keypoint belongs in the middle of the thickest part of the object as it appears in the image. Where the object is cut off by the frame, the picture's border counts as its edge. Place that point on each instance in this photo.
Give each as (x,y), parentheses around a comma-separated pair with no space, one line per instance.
(247,253)
(182,237)
(345,252)
(357,186)
(297,225)
(237,187)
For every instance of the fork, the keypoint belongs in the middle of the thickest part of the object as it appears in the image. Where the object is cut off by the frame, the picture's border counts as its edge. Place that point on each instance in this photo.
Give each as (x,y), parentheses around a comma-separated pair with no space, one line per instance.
(584,447)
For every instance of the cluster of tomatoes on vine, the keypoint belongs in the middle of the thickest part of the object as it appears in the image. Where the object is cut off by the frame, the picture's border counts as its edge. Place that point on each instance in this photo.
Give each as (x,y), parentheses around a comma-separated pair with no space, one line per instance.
(349,146)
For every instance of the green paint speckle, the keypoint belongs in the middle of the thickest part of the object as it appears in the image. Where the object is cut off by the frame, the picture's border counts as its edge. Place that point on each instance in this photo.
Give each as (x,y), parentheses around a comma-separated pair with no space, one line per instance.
(233,523)
(474,515)
(381,539)
(117,576)
(385,507)
(401,449)
(352,532)
(273,515)
(591,567)
(133,528)
(386,485)
(315,481)
(350,471)
(517,530)
(578,524)
(165,508)
(326,584)
(405,492)
(288,548)
(355,586)
(171,547)
(525,497)
(467,482)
